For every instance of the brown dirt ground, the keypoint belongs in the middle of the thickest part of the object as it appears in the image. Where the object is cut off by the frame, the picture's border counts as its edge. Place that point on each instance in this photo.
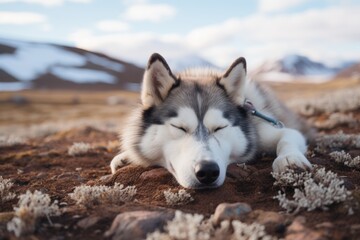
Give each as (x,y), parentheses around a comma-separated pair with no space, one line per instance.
(43,164)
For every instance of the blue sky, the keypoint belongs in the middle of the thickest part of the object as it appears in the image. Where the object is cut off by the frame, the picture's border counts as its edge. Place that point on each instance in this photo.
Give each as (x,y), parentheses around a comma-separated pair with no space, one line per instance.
(220,31)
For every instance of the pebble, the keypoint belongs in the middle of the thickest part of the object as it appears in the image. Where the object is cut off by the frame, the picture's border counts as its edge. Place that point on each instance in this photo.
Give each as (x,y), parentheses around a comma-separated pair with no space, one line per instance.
(6,216)
(88,221)
(42,175)
(230,211)
(325,225)
(70,175)
(19,100)
(240,172)
(154,174)
(106,178)
(268,217)
(137,224)
(298,231)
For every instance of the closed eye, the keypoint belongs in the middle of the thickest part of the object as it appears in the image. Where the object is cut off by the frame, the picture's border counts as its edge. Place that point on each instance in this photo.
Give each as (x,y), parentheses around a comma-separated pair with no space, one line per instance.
(219,128)
(180,128)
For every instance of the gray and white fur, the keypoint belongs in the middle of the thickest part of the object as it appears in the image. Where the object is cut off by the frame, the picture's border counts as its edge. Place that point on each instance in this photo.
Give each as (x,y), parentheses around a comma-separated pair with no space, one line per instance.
(194,124)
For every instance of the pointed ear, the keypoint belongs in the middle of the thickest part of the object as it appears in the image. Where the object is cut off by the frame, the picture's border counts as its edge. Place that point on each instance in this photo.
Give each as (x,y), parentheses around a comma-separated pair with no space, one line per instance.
(157,82)
(234,81)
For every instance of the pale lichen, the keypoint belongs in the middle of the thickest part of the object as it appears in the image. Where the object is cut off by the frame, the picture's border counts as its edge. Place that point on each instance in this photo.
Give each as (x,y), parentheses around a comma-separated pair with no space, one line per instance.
(185,226)
(79,148)
(317,189)
(179,198)
(346,159)
(31,207)
(11,140)
(5,193)
(90,195)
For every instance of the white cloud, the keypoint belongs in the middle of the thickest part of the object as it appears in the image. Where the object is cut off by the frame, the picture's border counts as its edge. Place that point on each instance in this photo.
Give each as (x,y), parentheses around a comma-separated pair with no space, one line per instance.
(112,26)
(278,5)
(21,18)
(263,36)
(149,12)
(321,34)
(46,3)
(133,47)
(80,1)
(213,34)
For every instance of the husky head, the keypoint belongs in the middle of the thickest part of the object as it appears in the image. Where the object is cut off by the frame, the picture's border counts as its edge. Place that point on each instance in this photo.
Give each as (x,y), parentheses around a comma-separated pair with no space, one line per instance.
(193,123)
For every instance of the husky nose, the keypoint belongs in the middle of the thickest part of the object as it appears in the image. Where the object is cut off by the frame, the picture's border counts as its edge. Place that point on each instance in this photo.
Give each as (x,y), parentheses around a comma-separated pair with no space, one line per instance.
(207,172)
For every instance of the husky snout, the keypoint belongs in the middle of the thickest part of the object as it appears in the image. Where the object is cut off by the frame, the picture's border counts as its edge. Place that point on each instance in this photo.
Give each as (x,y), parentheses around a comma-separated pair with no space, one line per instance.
(207,172)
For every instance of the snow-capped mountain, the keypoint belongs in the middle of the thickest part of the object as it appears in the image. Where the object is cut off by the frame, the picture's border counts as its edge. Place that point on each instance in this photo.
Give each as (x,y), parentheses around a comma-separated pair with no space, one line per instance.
(40,65)
(293,67)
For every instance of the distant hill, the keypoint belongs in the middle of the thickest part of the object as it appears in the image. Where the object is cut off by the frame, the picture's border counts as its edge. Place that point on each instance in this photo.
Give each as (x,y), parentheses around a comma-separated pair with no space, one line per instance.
(50,66)
(352,71)
(292,67)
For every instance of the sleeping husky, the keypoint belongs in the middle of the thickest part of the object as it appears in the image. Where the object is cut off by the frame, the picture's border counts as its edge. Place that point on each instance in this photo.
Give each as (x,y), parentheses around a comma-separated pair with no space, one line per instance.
(199,121)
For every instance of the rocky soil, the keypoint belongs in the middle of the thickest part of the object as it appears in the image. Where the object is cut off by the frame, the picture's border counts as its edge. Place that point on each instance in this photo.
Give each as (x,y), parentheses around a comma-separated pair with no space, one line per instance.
(44,164)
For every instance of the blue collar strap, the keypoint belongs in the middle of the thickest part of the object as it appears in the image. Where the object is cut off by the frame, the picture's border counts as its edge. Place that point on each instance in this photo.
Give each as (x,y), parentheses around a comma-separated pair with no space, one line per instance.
(250,108)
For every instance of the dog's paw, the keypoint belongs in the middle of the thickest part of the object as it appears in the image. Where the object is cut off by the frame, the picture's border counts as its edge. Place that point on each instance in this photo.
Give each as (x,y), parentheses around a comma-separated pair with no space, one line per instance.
(294,160)
(117,162)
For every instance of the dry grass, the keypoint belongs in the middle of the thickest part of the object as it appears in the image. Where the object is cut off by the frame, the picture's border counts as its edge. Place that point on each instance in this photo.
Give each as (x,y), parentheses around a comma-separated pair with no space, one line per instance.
(62,106)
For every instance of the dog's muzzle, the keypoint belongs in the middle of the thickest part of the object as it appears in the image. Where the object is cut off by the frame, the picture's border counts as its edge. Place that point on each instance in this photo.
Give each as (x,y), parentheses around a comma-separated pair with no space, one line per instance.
(207,172)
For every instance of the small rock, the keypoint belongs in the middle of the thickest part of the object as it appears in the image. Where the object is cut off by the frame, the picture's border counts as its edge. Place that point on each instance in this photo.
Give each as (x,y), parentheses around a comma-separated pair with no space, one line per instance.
(136,225)
(268,217)
(70,175)
(326,228)
(106,178)
(42,175)
(57,225)
(240,171)
(6,216)
(154,174)
(325,225)
(19,100)
(298,231)
(88,222)
(52,238)
(230,211)
(355,227)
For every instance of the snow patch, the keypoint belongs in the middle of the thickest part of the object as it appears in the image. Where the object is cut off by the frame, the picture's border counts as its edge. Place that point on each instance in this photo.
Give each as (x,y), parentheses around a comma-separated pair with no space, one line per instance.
(31,60)
(101,61)
(293,67)
(13,86)
(134,87)
(81,75)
